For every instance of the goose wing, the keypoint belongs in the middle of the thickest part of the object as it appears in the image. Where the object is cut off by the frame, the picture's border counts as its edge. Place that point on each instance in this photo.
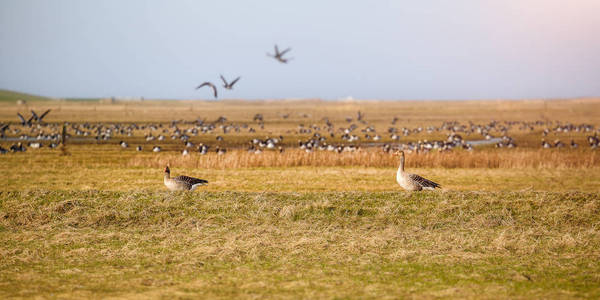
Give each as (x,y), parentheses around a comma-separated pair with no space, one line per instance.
(34,115)
(22,119)
(236,80)
(424,182)
(44,114)
(204,84)
(284,51)
(29,121)
(190,180)
(209,84)
(224,81)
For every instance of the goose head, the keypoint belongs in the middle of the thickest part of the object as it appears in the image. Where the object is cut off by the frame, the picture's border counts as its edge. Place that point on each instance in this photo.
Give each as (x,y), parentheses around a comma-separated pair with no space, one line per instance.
(399,153)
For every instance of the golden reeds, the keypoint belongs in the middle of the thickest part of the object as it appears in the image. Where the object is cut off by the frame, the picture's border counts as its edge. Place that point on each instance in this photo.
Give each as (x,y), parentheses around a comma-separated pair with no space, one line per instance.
(526,158)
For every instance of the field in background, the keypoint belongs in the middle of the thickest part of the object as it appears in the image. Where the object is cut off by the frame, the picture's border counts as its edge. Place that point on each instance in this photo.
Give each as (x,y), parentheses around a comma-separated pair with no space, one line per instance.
(96,220)
(284,117)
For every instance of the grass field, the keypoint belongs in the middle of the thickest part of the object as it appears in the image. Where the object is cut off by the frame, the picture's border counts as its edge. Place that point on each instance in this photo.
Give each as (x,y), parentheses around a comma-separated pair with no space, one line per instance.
(292,245)
(96,221)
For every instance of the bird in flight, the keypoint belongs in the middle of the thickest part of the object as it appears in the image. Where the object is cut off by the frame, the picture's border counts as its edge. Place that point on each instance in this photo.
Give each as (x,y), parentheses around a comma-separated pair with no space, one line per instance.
(39,118)
(229,85)
(23,122)
(209,84)
(279,55)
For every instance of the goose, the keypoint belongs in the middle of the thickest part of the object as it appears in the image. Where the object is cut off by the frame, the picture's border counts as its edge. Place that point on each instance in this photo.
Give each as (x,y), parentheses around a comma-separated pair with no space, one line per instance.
(546,144)
(35,145)
(211,85)
(229,85)
(203,149)
(138,148)
(182,183)
(18,147)
(412,182)
(220,151)
(573,144)
(156,149)
(558,144)
(279,55)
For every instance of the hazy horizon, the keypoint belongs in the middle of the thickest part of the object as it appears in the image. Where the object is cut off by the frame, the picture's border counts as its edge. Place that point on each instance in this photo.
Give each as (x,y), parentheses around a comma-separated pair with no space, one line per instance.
(387,50)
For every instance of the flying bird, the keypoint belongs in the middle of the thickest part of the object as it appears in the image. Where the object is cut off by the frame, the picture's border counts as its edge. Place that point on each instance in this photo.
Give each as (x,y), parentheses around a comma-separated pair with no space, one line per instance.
(23,122)
(209,84)
(229,85)
(279,55)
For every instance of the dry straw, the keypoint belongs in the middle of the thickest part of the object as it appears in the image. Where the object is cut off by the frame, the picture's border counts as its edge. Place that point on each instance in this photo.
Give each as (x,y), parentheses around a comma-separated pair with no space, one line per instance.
(372,158)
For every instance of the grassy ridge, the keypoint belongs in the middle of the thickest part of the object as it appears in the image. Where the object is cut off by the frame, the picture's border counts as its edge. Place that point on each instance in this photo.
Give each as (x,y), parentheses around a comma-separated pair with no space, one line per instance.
(333,244)
(11,96)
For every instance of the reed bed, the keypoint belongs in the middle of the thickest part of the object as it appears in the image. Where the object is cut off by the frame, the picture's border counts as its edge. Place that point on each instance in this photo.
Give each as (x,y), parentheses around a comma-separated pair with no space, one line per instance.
(372,158)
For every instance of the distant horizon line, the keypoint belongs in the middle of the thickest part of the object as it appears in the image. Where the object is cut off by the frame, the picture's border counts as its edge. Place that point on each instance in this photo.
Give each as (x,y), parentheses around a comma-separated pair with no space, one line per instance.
(339,99)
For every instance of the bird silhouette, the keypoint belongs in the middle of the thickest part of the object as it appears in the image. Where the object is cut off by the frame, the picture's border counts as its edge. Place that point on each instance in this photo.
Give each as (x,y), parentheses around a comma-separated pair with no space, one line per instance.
(229,85)
(279,55)
(23,122)
(210,84)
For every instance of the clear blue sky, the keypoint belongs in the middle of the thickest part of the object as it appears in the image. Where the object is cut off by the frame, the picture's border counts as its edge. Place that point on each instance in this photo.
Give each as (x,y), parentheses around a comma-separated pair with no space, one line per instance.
(460,49)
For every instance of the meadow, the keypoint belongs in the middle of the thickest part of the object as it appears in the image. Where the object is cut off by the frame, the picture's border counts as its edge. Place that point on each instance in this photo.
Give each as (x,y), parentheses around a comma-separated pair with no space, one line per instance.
(95,220)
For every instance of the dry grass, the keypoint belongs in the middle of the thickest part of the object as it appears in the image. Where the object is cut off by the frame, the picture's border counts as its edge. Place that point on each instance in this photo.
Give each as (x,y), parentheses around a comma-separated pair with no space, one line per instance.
(97,223)
(504,159)
(299,245)
(103,168)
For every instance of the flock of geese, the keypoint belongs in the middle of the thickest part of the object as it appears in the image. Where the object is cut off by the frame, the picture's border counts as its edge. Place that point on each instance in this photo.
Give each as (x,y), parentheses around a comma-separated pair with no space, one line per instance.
(408,181)
(349,136)
(278,55)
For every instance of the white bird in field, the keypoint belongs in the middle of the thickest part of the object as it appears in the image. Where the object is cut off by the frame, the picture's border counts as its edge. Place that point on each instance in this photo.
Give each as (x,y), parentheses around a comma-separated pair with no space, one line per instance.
(412,182)
(182,183)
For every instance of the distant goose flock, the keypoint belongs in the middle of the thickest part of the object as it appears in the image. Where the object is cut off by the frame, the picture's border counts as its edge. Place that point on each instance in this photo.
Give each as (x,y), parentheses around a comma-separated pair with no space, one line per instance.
(325,136)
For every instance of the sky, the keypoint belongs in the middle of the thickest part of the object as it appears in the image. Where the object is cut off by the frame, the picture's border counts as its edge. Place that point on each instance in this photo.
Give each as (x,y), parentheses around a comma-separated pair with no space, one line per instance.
(430,49)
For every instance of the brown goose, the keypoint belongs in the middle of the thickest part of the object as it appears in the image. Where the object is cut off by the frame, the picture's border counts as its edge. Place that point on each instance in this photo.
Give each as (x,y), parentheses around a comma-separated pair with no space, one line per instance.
(412,182)
(182,183)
